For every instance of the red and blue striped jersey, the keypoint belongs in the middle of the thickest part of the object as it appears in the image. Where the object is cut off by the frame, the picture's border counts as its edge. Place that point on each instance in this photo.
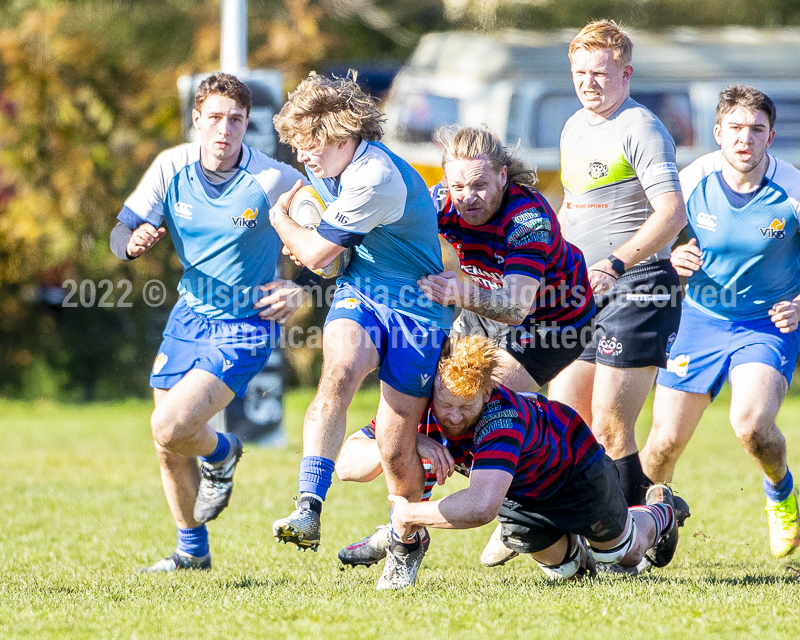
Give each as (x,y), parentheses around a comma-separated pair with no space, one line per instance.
(523,237)
(540,442)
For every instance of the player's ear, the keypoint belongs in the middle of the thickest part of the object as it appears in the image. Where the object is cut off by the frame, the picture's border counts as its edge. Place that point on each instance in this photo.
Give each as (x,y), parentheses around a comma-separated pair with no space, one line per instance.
(195,118)
(504,175)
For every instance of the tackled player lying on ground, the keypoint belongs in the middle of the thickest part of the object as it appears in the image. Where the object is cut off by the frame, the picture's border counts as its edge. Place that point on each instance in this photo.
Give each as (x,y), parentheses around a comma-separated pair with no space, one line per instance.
(532,463)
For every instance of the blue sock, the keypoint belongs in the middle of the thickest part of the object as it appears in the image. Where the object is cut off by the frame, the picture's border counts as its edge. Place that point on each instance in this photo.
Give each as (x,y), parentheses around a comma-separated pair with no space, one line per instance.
(193,541)
(316,474)
(780,491)
(221,452)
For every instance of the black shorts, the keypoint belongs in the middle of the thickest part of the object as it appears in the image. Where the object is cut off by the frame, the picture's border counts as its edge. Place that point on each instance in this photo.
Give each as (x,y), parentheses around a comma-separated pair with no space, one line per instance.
(637,321)
(542,352)
(590,504)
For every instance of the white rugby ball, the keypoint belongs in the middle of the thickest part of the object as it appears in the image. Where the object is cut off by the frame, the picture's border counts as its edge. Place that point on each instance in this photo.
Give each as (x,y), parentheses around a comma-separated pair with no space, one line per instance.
(306,210)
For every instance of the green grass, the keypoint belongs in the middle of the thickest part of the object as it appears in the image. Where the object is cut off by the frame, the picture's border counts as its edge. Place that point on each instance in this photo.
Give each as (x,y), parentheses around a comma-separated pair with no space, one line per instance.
(83,508)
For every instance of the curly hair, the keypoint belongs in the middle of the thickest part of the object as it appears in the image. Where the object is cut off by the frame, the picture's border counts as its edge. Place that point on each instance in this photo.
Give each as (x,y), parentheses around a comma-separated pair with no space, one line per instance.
(604,34)
(468,366)
(468,143)
(328,110)
(223,84)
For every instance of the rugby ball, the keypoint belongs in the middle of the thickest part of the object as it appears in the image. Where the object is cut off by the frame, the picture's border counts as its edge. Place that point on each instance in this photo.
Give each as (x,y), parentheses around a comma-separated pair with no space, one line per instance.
(306,210)
(450,259)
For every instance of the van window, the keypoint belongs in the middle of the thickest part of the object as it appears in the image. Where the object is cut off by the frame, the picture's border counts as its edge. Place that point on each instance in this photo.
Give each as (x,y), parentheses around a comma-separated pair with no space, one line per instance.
(674,109)
(553,112)
(787,123)
(422,113)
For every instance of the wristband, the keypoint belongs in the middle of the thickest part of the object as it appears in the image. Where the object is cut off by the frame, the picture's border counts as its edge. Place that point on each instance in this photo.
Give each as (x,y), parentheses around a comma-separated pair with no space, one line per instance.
(616,264)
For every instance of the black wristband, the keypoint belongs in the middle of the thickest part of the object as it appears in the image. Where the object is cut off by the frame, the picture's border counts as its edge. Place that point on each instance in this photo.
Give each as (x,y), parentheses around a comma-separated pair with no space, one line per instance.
(307,278)
(616,264)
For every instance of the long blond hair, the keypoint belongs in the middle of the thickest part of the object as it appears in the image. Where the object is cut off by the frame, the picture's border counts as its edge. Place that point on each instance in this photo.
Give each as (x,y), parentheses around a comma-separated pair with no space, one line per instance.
(468,143)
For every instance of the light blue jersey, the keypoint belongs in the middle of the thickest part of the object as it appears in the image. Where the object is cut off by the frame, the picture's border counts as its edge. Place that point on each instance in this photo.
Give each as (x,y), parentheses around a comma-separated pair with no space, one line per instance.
(751,254)
(221,232)
(380,206)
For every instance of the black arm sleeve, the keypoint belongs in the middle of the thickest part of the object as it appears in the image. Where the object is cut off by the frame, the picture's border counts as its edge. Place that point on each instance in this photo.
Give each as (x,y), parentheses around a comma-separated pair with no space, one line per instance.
(120,235)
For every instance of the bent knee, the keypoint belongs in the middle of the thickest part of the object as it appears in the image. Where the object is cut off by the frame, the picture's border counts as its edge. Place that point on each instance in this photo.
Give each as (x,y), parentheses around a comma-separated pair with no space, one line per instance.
(166,429)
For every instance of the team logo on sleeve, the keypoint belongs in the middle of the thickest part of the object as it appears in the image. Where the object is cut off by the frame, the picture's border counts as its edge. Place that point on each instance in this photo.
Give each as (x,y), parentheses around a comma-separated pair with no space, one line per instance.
(598,170)
(775,231)
(247,219)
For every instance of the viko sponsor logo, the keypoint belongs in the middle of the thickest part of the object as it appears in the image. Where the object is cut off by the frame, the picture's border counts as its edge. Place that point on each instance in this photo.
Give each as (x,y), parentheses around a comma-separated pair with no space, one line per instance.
(775,231)
(246,220)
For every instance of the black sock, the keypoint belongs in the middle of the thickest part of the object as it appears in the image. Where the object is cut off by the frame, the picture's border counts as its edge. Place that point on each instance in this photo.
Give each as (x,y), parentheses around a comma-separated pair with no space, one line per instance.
(405,547)
(312,503)
(632,478)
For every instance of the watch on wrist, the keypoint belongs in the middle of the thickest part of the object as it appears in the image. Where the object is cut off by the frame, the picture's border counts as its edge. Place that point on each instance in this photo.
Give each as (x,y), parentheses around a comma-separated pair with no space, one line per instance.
(616,264)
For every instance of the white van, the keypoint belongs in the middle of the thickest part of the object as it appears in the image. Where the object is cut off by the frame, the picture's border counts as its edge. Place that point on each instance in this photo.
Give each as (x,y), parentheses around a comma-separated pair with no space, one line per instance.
(519,84)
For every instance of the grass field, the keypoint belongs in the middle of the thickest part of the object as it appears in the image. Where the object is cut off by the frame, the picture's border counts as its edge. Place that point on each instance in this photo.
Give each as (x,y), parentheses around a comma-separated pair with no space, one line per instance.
(83,508)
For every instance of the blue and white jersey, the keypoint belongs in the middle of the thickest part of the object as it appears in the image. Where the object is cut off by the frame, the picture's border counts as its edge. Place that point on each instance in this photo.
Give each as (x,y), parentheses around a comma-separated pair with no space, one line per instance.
(751,251)
(221,231)
(380,206)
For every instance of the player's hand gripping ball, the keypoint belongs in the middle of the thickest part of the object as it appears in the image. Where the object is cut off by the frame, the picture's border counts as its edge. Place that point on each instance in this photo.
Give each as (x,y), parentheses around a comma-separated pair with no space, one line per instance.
(306,210)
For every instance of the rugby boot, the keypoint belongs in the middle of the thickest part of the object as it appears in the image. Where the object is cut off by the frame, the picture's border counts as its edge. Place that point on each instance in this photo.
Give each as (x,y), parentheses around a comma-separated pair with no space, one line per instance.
(302,528)
(662,552)
(372,549)
(682,511)
(495,553)
(402,565)
(179,562)
(216,483)
(784,533)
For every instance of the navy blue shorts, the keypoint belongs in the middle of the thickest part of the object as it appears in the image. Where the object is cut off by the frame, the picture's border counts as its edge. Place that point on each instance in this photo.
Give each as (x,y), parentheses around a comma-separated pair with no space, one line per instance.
(232,350)
(590,504)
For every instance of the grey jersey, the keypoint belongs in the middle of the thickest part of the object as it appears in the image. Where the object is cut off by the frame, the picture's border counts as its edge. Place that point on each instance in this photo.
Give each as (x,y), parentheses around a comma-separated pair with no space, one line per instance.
(610,172)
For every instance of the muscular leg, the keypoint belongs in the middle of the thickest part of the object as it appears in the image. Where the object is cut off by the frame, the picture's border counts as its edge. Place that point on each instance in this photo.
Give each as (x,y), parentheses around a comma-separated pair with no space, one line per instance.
(348,355)
(180,431)
(757,391)
(675,417)
(396,425)
(573,386)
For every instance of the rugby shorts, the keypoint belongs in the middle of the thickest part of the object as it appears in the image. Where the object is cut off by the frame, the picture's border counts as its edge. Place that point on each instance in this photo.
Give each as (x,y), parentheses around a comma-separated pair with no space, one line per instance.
(408,348)
(542,352)
(232,350)
(637,321)
(708,348)
(590,504)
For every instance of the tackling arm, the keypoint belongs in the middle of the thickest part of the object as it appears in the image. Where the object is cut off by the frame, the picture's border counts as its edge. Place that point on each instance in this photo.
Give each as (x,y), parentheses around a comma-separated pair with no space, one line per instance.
(465,509)
(510,304)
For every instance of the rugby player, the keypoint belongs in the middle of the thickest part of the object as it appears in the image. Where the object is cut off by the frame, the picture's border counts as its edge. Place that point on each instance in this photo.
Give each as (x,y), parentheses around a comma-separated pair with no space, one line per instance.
(530,289)
(623,208)
(743,298)
(380,318)
(532,463)
(216,340)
